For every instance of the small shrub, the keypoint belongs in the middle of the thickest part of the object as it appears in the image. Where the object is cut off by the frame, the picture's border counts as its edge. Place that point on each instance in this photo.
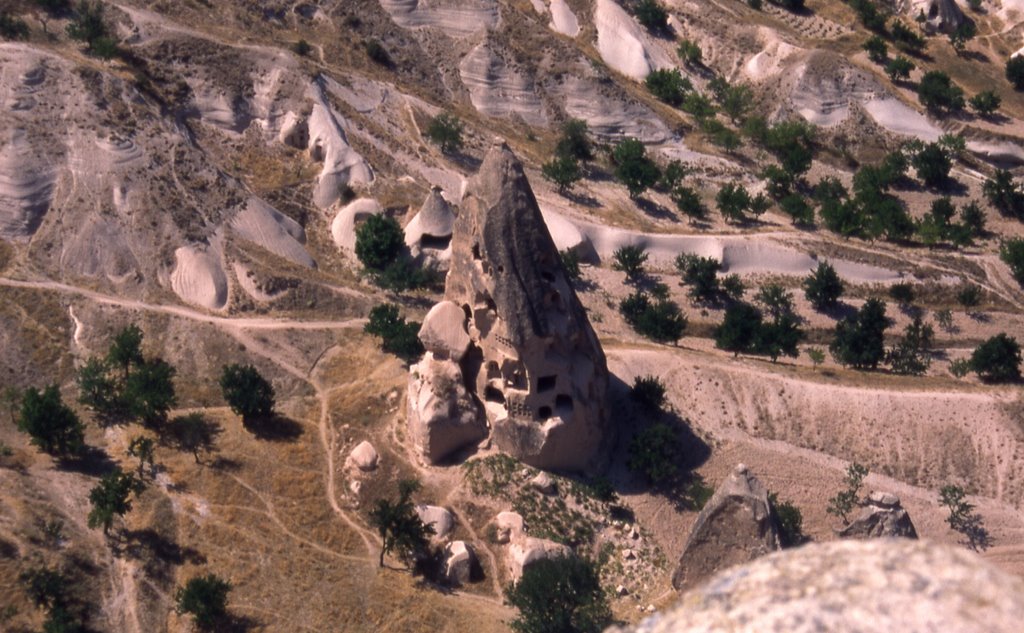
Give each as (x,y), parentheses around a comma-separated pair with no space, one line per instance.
(205,598)
(648,392)
(397,336)
(789,520)
(655,453)
(445,131)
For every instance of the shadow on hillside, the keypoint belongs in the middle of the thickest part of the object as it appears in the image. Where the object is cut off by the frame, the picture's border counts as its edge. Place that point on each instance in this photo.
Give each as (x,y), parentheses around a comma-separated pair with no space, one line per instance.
(655,210)
(148,543)
(276,428)
(93,462)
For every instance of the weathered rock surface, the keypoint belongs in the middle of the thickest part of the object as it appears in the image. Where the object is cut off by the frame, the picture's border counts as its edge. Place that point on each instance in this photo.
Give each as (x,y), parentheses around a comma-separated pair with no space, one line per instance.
(736,526)
(459,561)
(443,416)
(429,234)
(443,332)
(526,551)
(544,484)
(534,359)
(852,586)
(942,16)
(363,456)
(438,518)
(881,516)
(508,526)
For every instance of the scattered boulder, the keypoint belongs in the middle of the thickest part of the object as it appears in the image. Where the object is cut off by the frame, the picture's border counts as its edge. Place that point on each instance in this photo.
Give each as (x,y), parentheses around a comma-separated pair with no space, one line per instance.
(443,332)
(429,234)
(459,563)
(736,526)
(544,484)
(881,516)
(534,359)
(438,518)
(528,550)
(508,526)
(442,415)
(363,456)
(852,586)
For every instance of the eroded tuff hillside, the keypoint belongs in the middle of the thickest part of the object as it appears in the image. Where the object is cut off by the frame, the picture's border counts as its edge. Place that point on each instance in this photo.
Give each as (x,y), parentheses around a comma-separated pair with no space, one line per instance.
(206,183)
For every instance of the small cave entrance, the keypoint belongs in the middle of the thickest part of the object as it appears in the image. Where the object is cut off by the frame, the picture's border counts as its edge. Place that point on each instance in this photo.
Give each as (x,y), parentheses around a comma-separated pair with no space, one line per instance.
(544,413)
(491,394)
(546,383)
(435,242)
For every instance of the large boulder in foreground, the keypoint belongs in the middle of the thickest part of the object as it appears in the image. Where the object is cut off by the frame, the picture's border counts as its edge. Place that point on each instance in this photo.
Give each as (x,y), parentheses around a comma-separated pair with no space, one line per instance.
(442,416)
(534,360)
(881,516)
(851,587)
(526,551)
(735,526)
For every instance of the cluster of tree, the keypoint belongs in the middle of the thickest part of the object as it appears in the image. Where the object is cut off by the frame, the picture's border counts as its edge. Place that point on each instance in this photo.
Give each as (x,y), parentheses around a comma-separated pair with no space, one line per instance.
(571,151)
(859,339)
(124,385)
(633,167)
(997,359)
(745,329)
(937,225)
(701,275)
(380,248)
(398,337)
(654,316)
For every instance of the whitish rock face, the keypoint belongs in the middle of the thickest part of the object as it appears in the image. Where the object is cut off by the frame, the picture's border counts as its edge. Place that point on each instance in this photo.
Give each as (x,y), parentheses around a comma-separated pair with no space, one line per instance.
(533,359)
(847,586)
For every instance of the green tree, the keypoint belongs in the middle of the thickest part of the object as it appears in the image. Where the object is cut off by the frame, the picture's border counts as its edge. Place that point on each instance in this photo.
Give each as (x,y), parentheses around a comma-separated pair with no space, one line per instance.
(791,142)
(1015,71)
(817,356)
(379,242)
(847,499)
(192,433)
(652,15)
(143,449)
(701,274)
(662,322)
(910,354)
(733,201)
(400,527)
(559,595)
(963,33)
(899,68)
(51,425)
(445,131)
(698,105)
(968,296)
(973,218)
(859,339)
(789,520)
(777,301)
(740,330)
(1003,193)
(575,141)
(985,103)
(205,598)
(564,171)
(46,588)
(149,391)
(126,349)
(689,52)
(668,85)
(630,260)
(736,101)
(932,164)
(938,93)
(398,337)
(97,389)
(12,28)
(571,264)
(823,287)
(797,208)
(905,38)
(962,517)
(689,203)
(877,49)
(1012,253)
(902,293)
(111,498)
(633,167)
(998,359)
(648,392)
(655,453)
(89,25)
(247,392)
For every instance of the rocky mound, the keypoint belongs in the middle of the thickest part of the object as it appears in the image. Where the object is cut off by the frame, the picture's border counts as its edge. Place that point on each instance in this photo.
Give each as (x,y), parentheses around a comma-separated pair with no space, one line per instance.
(881,516)
(736,526)
(534,360)
(847,586)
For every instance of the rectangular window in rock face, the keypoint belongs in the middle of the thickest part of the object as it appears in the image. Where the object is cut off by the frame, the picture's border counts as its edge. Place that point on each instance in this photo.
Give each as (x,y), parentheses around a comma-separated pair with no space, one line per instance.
(546,383)
(544,413)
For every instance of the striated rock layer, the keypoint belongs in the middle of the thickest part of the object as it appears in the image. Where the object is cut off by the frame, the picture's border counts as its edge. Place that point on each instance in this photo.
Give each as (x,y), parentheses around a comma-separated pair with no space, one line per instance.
(534,359)
(852,586)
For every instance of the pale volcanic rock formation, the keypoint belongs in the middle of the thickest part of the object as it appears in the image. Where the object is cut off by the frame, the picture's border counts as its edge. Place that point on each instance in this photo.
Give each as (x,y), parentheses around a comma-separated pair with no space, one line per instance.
(429,234)
(198,276)
(535,361)
(442,416)
(436,518)
(456,18)
(850,587)
(363,456)
(563,20)
(527,550)
(264,225)
(443,332)
(942,16)
(623,43)
(459,562)
(343,227)
(735,526)
(327,144)
(508,526)
(881,516)
(499,90)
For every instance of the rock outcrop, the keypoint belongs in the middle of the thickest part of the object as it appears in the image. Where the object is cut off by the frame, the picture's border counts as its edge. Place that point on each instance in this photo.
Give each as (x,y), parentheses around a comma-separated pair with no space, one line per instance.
(736,526)
(437,518)
(881,516)
(534,361)
(852,586)
(459,561)
(429,234)
(442,416)
(940,16)
(443,332)
(527,550)
(508,526)
(363,456)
